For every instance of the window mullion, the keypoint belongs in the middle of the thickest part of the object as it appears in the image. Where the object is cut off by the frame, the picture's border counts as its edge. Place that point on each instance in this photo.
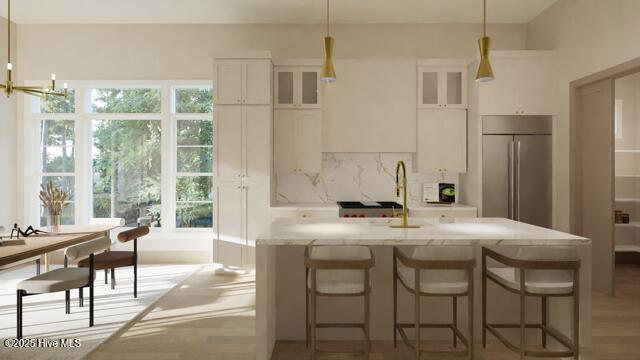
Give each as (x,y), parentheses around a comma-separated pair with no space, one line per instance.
(168,164)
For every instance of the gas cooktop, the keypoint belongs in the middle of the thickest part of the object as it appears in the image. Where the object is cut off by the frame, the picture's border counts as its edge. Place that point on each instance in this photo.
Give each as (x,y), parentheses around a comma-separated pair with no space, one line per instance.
(355,209)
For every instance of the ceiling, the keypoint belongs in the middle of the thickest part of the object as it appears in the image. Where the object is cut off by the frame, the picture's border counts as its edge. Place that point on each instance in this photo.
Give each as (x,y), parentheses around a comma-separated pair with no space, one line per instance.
(269,11)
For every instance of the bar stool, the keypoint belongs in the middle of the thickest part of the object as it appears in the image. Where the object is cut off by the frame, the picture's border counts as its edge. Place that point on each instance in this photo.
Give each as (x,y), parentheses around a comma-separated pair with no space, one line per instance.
(539,271)
(64,279)
(435,270)
(337,271)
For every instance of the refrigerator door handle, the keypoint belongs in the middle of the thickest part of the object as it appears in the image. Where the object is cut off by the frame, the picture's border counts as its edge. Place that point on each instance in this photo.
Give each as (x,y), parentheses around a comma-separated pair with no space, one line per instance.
(517,182)
(510,181)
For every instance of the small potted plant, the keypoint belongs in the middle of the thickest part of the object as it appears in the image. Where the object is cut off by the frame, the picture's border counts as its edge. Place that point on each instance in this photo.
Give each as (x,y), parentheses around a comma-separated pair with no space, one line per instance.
(54,199)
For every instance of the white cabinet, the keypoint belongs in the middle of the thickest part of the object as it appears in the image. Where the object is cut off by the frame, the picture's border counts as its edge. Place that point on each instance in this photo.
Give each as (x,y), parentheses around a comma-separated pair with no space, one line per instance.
(442,141)
(297,87)
(298,141)
(242,180)
(242,82)
(522,86)
(442,87)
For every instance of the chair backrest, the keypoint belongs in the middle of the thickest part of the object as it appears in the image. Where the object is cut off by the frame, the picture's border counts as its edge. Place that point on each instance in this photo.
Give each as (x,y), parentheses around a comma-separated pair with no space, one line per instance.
(347,252)
(134,233)
(107,221)
(443,252)
(85,249)
(547,253)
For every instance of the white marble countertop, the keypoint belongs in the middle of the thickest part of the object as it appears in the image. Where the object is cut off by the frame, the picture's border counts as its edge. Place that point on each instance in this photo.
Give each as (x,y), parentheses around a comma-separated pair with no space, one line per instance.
(331,206)
(462,231)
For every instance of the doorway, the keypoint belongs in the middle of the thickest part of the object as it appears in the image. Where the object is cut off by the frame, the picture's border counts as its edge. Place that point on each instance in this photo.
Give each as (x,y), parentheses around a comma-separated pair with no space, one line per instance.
(603,170)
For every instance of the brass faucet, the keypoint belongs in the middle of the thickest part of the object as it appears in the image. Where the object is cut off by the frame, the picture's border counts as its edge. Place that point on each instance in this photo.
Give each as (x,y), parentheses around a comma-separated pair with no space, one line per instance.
(404,187)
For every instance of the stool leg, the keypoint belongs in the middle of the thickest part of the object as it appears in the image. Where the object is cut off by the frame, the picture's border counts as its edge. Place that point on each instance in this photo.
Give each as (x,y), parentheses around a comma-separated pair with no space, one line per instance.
(367,341)
(19,315)
(484,303)
(80,298)
(522,314)
(576,314)
(395,302)
(306,301)
(113,278)
(313,314)
(455,320)
(417,312)
(38,266)
(91,304)
(470,304)
(106,275)
(67,302)
(543,314)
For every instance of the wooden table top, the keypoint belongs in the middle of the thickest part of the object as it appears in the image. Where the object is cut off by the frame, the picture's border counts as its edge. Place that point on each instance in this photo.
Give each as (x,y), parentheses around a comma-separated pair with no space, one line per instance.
(13,250)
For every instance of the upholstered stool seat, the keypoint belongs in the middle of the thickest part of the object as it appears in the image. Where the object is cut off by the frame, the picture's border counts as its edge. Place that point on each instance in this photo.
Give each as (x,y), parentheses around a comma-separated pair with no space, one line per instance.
(110,259)
(555,281)
(441,282)
(55,280)
(339,281)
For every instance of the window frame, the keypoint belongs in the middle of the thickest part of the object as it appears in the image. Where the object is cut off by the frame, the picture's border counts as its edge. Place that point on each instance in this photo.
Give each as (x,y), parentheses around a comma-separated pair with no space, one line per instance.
(83,117)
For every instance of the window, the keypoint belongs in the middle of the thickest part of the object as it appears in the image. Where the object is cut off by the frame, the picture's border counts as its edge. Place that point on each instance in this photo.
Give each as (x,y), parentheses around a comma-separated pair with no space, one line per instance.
(140,150)
(57,162)
(194,157)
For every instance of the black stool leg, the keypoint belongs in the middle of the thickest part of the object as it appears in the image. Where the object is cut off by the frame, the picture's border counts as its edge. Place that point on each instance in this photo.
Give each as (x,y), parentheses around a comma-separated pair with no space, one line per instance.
(80,298)
(135,280)
(19,315)
(67,302)
(113,278)
(38,267)
(91,304)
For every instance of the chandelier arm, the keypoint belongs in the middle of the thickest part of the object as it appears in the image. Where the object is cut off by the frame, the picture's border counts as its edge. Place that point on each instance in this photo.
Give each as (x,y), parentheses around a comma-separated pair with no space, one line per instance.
(3,86)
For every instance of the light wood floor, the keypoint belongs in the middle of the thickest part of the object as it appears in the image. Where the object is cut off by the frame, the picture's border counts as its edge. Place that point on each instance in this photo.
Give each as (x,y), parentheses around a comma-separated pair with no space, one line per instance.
(212,317)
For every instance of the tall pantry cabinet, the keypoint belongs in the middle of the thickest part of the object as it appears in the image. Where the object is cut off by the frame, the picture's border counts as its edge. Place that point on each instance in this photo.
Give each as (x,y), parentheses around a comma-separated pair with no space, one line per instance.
(242,115)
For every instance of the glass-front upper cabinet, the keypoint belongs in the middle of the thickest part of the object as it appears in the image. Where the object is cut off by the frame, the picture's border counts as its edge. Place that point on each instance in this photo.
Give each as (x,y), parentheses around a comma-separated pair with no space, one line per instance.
(297,87)
(441,86)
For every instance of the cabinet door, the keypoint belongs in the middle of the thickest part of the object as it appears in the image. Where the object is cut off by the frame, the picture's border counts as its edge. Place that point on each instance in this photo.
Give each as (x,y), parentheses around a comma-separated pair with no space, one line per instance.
(256,218)
(454,81)
(429,88)
(442,141)
(257,82)
(257,143)
(285,80)
(230,237)
(454,150)
(285,140)
(228,130)
(308,148)
(535,90)
(228,85)
(309,80)
(497,97)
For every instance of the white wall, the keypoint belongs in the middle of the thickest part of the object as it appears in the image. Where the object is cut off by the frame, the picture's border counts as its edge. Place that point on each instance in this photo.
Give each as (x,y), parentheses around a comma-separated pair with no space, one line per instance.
(8,109)
(590,36)
(97,52)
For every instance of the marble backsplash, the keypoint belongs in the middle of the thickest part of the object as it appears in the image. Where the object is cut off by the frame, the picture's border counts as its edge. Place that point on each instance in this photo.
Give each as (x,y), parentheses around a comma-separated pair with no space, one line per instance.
(353,176)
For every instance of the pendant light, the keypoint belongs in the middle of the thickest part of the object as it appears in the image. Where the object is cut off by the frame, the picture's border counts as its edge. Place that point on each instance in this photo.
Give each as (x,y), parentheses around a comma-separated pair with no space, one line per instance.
(328,73)
(485,73)
(9,86)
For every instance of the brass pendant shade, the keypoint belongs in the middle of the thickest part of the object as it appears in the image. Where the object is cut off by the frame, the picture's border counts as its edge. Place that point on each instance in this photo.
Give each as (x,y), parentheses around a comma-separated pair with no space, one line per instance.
(328,73)
(485,73)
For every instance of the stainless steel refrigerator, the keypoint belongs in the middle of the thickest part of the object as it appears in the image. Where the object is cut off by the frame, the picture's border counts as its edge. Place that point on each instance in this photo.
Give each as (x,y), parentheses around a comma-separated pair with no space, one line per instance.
(516,168)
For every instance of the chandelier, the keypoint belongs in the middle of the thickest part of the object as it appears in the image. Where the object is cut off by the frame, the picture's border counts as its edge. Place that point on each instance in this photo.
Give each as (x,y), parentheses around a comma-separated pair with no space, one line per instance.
(9,87)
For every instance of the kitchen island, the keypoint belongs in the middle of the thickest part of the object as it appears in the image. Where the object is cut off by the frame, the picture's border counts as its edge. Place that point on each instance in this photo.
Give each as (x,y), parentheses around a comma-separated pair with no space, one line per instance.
(280,281)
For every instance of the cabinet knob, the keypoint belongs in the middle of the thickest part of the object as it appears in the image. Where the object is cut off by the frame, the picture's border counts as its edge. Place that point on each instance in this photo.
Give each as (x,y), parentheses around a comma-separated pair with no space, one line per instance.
(445,105)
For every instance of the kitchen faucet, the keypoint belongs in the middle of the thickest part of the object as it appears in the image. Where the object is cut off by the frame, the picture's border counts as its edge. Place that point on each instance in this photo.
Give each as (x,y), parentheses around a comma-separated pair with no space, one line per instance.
(404,187)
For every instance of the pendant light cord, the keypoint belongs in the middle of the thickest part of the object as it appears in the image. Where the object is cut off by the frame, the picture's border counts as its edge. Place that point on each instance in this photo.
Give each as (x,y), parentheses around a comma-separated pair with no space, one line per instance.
(328,18)
(8,31)
(484,27)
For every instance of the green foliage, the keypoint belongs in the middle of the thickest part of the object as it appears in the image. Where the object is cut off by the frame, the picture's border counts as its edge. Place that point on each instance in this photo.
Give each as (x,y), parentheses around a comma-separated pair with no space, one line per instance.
(56,142)
(127,100)
(189,215)
(59,104)
(194,100)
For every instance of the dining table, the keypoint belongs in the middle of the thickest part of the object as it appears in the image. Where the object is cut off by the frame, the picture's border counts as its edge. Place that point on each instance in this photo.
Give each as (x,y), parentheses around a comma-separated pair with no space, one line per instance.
(14,250)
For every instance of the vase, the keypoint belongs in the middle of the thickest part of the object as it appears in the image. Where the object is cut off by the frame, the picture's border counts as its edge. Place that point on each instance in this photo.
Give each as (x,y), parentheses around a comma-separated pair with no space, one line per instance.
(53,221)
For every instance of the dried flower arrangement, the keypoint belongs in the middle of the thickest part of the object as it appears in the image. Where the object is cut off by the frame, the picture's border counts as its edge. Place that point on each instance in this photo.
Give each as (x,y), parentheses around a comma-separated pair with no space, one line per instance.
(54,198)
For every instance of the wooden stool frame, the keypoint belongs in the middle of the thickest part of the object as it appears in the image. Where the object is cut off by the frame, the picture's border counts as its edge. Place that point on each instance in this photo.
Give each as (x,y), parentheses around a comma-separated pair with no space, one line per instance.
(311,267)
(418,266)
(573,347)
